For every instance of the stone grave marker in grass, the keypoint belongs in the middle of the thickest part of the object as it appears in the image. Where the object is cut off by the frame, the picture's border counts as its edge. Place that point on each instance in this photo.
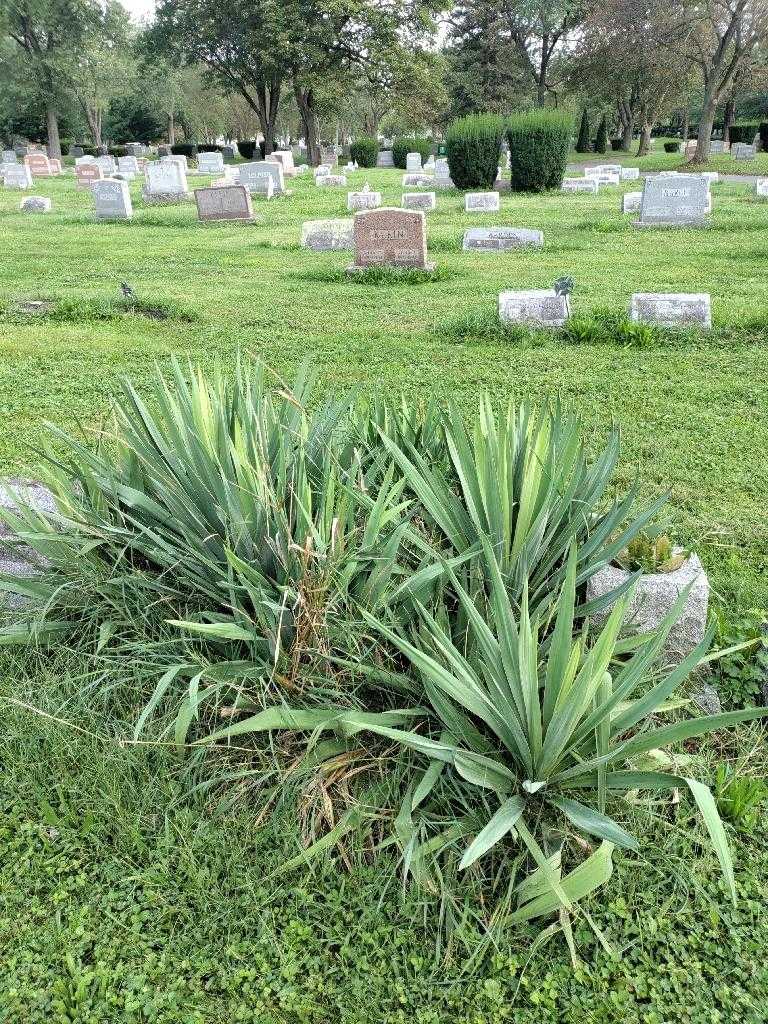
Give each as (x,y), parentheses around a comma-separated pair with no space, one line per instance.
(419,201)
(112,199)
(363,200)
(679,201)
(165,182)
(210,163)
(499,239)
(331,181)
(670,309)
(390,237)
(413,162)
(631,202)
(17,176)
(252,175)
(481,202)
(535,307)
(224,202)
(328,235)
(580,185)
(35,204)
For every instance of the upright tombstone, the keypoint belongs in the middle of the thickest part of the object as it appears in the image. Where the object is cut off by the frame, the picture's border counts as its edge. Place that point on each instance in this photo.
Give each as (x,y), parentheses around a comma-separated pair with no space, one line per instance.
(743,151)
(716,147)
(681,201)
(496,239)
(17,176)
(536,307)
(107,164)
(127,165)
(252,175)
(629,173)
(385,158)
(224,202)
(442,170)
(76,151)
(210,163)
(419,201)
(165,182)
(631,202)
(229,152)
(285,158)
(134,149)
(35,204)
(262,185)
(761,188)
(321,170)
(9,156)
(177,158)
(389,237)
(363,200)
(580,185)
(86,174)
(669,309)
(39,165)
(413,163)
(481,202)
(112,199)
(328,235)
(86,158)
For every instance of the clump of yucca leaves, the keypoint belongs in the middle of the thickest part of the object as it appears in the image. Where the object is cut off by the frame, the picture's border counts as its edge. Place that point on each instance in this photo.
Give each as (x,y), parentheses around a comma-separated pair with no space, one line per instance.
(328,578)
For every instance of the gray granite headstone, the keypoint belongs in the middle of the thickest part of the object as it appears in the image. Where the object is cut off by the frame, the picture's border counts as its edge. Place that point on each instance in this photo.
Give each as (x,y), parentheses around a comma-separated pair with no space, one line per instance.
(413,162)
(9,156)
(224,202)
(17,176)
(385,158)
(672,309)
(252,175)
(579,185)
(112,199)
(165,181)
(495,239)
(210,163)
(481,202)
(679,201)
(536,307)
(419,201)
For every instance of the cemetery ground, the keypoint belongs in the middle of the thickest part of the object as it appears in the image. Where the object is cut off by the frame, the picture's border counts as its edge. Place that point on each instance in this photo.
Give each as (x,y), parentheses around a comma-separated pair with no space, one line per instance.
(123,898)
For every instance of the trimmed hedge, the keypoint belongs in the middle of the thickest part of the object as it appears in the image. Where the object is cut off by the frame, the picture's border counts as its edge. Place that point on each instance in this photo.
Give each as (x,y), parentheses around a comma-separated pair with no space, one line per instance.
(539,141)
(584,144)
(246,148)
(188,149)
(87,150)
(764,135)
(404,145)
(671,147)
(208,147)
(473,145)
(118,151)
(617,145)
(743,133)
(364,151)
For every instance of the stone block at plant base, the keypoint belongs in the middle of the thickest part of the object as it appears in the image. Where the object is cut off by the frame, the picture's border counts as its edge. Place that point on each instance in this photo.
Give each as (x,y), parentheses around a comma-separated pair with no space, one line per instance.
(652,601)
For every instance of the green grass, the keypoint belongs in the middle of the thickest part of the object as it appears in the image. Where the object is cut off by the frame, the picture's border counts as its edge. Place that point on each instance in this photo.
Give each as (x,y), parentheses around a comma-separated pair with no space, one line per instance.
(118,901)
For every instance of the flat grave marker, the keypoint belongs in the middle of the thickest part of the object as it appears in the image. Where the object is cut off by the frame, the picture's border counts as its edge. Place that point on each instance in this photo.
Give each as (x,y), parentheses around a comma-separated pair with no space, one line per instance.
(536,307)
(501,238)
(481,202)
(671,309)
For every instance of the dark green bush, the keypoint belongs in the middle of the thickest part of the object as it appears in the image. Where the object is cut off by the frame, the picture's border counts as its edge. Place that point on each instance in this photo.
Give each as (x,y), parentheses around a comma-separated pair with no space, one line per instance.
(539,141)
(473,144)
(601,139)
(208,147)
(246,148)
(188,149)
(671,147)
(764,136)
(584,144)
(118,151)
(404,145)
(364,151)
(743,133)
(87,150)
(617,145)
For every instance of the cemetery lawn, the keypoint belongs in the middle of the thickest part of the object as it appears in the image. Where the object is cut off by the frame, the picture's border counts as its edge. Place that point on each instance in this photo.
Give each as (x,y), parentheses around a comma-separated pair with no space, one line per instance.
(122,901)
(659,160)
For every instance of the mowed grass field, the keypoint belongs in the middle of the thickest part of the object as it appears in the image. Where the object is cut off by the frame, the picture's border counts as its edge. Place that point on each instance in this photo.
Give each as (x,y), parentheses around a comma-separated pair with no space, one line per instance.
(692,409)
(123,897)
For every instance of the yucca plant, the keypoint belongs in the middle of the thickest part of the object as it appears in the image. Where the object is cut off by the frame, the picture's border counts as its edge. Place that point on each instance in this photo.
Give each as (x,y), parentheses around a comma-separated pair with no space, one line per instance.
(523,480)
(538,729)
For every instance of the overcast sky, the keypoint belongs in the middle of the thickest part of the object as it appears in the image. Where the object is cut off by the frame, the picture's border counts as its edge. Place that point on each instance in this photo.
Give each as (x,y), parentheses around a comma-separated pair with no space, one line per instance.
(139,9)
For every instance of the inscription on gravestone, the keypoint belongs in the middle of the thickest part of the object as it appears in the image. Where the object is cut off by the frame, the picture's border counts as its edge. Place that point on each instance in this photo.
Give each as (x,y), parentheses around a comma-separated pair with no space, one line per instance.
(479,202)
(328,235)
(86,174)
(672,202)
(539,307)
(112,200)
(224,202)
(419,201)
(671,309)
(390,238)
(494,239)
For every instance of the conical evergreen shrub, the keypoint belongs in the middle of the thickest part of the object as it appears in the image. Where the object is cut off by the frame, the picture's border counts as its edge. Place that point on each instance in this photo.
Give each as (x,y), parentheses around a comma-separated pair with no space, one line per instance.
(583,144)
(601,139)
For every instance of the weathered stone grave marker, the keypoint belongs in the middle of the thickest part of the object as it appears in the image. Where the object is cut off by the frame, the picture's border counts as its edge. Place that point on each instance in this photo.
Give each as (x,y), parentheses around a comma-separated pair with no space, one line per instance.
(165,182)
(389,237)
(679,201)
(224,202)
(537,307)
(328,235)
(253,176)
(671,309)
(419,201)
(363,200)
(86,174)
(210,163)
(112,199)
(481,202)
(35,204)
(496,239)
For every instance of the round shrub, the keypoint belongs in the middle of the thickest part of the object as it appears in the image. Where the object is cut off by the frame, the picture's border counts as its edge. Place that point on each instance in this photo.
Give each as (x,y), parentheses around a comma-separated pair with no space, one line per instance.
(404,145)
(364,151)
(246,148)
(188,149)
(743,133)
(539,141)
(617,145)
(671,147)
(117,151)
(473,146)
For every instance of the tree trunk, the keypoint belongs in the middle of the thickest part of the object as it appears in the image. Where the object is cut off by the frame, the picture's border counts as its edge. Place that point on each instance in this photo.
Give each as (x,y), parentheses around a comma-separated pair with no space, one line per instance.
(171,130)
(645,139)
(628,134)
(729,117)
(706,121)
(305,101)
(686,128)
(54,142)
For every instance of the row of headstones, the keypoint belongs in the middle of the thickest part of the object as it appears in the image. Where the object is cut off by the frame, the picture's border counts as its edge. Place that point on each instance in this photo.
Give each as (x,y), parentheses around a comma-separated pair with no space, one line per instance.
(474,202)
(738,150)
(670,198)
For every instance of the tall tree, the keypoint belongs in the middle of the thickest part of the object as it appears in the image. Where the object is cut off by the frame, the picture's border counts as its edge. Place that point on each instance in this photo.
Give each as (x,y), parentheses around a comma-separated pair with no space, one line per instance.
(721,39)
(541,30)
(45,33)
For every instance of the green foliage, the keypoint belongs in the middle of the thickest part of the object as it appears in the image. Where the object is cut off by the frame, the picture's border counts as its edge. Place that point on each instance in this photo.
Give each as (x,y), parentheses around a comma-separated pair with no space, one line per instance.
(403,145)
(617,145)
(473,145)
(651,552)
(738,797)
(117,151)
(742,675)
(187,149)
(601,139)
(671,147)
(583,143)
(208,147)
(246,148)
(743,133)
(763,129)
(539,142)
(364,151)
